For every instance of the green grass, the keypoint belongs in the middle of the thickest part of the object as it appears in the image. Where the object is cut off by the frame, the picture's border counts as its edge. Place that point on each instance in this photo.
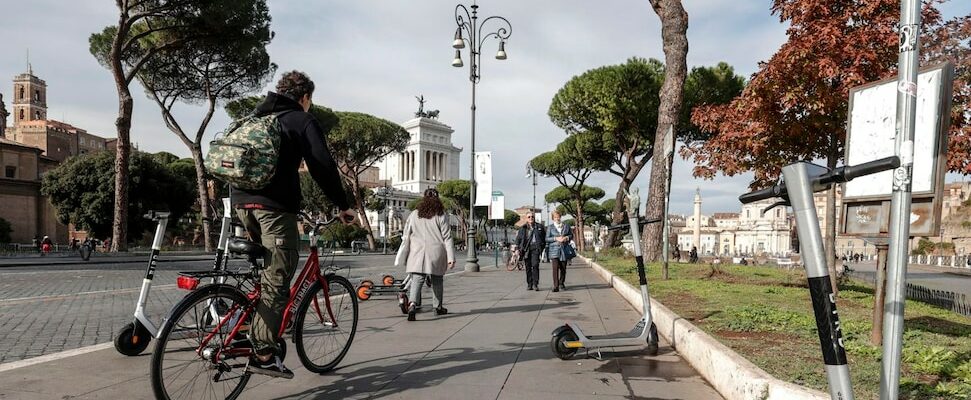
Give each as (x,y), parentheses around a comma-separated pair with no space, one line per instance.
(764,314)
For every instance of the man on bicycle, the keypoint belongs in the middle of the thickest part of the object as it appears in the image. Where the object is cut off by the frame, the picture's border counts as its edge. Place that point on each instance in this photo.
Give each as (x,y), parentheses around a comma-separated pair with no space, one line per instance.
(270,214)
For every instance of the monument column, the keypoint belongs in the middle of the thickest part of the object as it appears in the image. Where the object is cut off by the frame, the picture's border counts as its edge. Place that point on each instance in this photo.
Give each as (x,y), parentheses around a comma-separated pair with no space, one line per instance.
(696,237)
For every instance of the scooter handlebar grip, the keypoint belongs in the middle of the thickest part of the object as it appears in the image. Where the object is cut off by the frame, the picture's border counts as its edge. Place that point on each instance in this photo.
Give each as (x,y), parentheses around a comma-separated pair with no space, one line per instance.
(854,171)
(757,195)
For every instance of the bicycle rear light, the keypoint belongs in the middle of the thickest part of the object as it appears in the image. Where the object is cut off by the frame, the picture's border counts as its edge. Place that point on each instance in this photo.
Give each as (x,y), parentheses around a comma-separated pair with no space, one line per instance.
(187,282)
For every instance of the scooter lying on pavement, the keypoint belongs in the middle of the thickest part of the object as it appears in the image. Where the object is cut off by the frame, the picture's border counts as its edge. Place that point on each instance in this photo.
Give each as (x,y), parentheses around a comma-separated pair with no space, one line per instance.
(568,338)
(133,338)
(389,286)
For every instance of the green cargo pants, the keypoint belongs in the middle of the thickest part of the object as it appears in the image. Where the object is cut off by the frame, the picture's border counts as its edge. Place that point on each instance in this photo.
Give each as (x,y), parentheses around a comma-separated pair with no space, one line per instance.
(277,231)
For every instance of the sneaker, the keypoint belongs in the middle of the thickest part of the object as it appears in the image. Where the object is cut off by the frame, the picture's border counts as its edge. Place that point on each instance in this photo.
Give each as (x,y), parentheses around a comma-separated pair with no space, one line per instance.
(273,367)
(412,309)
(441,311)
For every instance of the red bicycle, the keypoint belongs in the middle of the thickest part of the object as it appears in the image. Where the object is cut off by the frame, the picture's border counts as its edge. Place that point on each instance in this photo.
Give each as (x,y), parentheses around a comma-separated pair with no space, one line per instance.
(202,349)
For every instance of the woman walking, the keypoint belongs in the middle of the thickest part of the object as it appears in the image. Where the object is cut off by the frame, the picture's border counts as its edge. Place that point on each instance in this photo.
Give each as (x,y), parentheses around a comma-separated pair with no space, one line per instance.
(558,236)
(427,251)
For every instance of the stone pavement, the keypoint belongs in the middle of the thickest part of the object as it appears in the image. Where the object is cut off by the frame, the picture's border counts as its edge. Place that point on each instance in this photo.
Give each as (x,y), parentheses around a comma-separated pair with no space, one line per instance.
(494,344)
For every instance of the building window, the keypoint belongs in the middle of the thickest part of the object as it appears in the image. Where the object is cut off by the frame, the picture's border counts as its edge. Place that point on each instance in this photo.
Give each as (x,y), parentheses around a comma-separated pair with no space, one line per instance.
(10,172)
(36,114)
(22,93)
(21,113)
(36,95)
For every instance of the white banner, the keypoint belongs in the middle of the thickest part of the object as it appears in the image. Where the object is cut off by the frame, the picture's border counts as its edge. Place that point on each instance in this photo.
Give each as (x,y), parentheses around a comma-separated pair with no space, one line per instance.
(497,209)
(483,178)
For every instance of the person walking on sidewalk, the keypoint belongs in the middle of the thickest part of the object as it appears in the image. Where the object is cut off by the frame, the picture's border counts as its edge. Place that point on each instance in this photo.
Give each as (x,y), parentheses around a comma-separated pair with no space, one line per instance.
(558,236)
(427,250)
(531,240)
(270,214)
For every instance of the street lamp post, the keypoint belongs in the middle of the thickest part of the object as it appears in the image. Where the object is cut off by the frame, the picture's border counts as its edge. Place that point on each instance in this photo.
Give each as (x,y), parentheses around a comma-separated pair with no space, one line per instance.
(469,30)
(385,194)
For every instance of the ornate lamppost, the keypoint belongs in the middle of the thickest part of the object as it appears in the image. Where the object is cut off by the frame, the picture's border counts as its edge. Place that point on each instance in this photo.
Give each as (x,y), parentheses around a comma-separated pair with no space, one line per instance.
(469,30)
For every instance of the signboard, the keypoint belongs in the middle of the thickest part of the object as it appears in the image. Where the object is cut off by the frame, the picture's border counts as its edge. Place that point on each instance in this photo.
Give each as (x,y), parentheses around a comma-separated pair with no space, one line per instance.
(871,130)
(483,178)
(497,208)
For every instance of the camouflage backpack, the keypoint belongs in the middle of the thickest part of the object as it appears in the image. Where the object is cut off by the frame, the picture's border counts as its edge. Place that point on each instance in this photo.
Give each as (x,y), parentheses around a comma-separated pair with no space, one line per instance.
(246,155)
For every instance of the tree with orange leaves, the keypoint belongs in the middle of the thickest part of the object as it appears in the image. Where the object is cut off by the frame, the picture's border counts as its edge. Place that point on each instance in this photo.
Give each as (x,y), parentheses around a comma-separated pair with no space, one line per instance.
(795,105)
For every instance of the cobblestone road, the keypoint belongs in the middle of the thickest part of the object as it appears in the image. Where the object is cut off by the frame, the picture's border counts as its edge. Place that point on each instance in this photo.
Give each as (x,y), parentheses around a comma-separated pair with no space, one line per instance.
(48,310)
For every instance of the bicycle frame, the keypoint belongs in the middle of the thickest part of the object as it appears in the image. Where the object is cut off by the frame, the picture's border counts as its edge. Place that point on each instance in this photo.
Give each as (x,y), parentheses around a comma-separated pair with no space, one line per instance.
(310,275)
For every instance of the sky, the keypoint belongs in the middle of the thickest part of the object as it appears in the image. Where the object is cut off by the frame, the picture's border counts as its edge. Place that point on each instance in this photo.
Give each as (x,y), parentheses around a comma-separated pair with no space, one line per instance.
(375,56)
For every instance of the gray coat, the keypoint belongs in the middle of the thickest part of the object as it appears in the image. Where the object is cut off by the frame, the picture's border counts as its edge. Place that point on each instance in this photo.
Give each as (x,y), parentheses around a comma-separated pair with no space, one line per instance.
(426,245)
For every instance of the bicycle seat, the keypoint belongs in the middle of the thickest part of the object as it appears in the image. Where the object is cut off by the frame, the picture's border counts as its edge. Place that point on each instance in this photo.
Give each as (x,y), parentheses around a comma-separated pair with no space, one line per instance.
(243,246)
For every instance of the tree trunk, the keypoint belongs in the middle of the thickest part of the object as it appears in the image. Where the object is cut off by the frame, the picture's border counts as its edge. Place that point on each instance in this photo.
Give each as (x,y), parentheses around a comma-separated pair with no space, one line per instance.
(620,205)
(830,223)
(119,226)
(202,184)
(579,239)
(362,213)
(674,25)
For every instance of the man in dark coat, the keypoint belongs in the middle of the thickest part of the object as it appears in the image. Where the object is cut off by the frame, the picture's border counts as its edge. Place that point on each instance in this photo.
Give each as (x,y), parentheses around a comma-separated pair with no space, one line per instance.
(531,240)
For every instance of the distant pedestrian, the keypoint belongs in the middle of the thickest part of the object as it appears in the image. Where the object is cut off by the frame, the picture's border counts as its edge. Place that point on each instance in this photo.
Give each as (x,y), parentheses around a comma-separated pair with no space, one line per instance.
(693,255)
(46,245)
(677,253)
(106,245)
(531,241)
(36,243)
(427,242)
(558,237)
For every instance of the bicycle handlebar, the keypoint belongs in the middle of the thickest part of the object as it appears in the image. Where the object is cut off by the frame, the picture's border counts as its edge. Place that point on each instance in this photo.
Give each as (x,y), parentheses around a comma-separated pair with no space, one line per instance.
(318,223)
(842,174)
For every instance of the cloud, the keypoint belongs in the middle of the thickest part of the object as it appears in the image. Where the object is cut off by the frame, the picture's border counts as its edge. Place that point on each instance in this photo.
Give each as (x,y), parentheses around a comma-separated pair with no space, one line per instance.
(374,56)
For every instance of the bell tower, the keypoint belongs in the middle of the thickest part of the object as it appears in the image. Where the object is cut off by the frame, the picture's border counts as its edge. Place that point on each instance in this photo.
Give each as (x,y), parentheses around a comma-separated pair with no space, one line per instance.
(29,98)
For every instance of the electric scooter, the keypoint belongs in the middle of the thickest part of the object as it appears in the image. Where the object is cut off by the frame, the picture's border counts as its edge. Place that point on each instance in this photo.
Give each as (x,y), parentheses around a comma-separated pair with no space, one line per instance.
(133,338)
(800,181)
(568,338)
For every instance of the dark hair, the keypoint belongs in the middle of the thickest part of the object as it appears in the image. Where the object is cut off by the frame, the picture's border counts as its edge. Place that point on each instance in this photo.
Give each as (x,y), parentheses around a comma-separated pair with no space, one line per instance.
(295,85)
(430,205)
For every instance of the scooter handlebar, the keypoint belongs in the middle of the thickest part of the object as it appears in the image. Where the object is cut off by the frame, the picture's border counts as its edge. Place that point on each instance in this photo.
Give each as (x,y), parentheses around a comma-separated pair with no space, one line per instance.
(849,172)
(762,194)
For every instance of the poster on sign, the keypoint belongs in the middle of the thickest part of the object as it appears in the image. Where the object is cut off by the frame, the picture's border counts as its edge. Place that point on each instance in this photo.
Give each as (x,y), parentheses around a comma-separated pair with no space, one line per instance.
(497,208)
(483,178)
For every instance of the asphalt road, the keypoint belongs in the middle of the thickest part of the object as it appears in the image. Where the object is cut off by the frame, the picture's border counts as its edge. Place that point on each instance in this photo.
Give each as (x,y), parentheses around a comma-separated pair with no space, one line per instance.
(931,278)
(46,309)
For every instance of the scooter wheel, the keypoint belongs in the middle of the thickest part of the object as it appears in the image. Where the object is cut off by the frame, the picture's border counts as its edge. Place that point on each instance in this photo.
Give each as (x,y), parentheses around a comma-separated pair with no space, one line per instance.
(388,280)
(363,292)
(652,341)
(558,344)
(132,339)
(403,302)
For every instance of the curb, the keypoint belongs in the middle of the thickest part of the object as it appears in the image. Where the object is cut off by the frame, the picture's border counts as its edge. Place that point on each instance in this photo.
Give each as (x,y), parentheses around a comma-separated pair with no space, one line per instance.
(733,376)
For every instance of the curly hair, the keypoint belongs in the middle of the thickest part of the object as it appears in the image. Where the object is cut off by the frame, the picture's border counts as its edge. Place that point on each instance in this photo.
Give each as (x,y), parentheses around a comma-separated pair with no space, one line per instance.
(430,205)
(295,85)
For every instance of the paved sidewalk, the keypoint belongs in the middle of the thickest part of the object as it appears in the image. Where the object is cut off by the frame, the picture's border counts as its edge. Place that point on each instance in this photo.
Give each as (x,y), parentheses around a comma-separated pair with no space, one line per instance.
(494,344)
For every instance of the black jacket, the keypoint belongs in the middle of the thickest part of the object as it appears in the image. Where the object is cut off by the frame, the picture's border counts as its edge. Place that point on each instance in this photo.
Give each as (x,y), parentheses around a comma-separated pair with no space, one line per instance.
(524,242)
(303,139)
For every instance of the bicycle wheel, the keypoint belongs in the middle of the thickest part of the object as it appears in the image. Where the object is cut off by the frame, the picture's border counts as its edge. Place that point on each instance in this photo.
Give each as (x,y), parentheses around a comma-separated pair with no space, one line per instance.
(322,341)
(179,369)
(512,263)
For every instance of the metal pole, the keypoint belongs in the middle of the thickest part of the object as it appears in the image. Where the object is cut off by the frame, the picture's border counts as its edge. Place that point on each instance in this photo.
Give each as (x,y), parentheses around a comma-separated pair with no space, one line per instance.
(472,262)
(893,322)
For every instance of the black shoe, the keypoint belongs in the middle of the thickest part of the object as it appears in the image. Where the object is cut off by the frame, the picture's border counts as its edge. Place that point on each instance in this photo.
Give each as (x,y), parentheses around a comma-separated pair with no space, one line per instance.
(441,311)
(556,288)
(412,309)
(273,367)
(562,287)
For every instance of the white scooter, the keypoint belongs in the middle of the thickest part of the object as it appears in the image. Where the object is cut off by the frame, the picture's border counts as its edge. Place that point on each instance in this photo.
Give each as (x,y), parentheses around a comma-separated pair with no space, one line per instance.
(133,338)
(568,338)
